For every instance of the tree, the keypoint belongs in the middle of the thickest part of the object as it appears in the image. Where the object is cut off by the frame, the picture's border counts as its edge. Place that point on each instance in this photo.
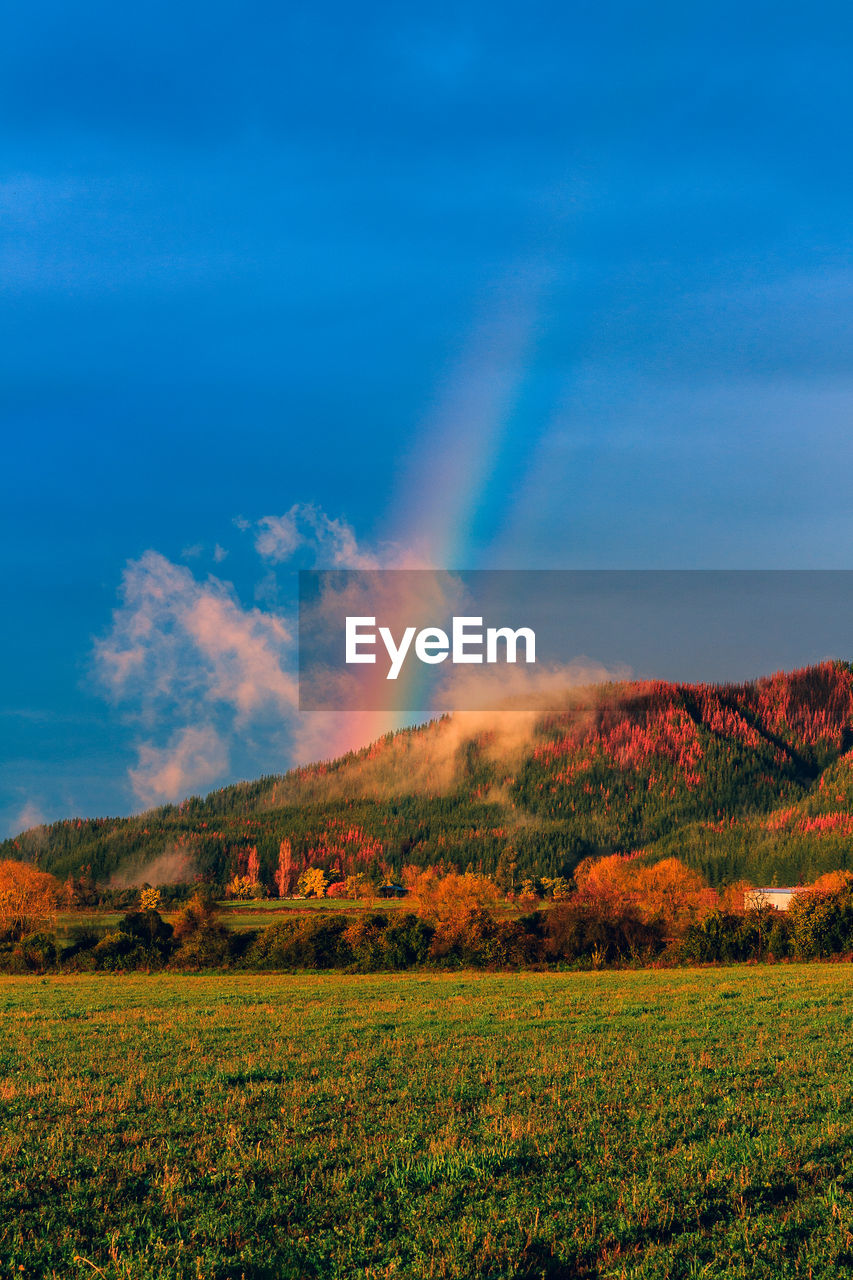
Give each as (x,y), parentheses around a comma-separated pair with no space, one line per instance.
(149,899)
(445,896)
(313,883)
(239,887)
(665,893)
(506,870)
(28,899)
(202,939)
(285,875)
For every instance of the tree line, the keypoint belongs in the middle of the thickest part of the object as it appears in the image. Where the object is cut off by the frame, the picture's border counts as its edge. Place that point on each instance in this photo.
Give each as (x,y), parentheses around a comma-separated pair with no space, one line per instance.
(617,911)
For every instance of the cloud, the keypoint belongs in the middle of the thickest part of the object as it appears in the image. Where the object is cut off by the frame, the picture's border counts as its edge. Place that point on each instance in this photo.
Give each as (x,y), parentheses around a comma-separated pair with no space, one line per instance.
(175,865)
(432,760)
(277,537)
(519,690)
(29,816)
(211,680)
(193,758)
(184,657)
(175,640)
(332,543)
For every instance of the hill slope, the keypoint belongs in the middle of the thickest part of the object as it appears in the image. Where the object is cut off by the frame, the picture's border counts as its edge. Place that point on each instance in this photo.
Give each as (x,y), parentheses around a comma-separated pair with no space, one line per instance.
(752,780)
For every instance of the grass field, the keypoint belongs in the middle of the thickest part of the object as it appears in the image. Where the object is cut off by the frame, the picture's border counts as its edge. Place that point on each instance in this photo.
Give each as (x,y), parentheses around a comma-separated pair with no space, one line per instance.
(241,915)
(660,1123)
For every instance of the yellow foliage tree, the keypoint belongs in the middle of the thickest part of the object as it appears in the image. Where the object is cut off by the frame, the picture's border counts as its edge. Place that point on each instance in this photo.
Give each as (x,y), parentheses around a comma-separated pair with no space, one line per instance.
(314,883)
(358,886)
(239,887)
(149,899)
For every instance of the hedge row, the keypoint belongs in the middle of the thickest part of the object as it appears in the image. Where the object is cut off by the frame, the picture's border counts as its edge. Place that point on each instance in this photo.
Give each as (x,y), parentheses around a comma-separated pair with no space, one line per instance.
(583,932)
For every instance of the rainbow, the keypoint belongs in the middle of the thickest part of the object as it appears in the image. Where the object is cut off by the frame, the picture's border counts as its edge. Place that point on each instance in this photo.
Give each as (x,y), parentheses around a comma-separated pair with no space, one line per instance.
(448,474)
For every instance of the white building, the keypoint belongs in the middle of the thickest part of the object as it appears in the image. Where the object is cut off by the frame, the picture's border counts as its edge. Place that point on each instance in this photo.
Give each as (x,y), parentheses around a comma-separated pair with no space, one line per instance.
(781,899)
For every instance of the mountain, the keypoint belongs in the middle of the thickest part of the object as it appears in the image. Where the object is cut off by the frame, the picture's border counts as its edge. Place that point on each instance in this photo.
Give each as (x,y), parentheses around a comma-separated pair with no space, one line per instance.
(747,781)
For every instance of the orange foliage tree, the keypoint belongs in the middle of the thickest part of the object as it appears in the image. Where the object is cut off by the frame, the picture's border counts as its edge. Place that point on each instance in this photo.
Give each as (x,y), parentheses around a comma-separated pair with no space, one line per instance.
(666,893)
(287,872)
(832,882)
(28,898)
(441,894)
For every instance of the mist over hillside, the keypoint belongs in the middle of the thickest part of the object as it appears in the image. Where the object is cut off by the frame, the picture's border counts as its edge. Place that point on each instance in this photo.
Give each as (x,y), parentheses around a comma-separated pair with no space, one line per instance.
(747,781)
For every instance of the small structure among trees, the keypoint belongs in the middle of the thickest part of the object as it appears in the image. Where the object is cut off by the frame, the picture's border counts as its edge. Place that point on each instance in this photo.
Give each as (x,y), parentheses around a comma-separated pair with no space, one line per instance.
(770,896)
(392,891)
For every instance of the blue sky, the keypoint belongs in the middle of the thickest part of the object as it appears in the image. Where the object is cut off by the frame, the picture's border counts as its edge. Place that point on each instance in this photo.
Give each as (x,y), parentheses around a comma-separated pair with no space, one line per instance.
(515,286)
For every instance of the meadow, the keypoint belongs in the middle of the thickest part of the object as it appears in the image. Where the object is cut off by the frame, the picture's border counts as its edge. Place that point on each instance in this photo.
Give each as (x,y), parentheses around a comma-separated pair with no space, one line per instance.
(237,915)
(653,1123)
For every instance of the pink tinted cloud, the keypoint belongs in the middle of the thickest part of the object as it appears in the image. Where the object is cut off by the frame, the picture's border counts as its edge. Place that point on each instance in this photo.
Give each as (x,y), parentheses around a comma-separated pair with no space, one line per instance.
(177,640)
(193,758)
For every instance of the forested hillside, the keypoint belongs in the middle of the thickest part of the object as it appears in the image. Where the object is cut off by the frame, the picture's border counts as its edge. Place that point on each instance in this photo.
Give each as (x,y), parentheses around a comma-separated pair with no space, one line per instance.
(749,781)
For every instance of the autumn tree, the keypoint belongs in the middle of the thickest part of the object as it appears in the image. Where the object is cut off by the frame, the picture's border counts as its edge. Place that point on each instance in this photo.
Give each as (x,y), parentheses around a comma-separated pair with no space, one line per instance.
(149,898)
(832,882)
(358,885)
(285,874)
(202,939)
(313,883)
(666,893)
(442,895)
(28,898)
(239,887)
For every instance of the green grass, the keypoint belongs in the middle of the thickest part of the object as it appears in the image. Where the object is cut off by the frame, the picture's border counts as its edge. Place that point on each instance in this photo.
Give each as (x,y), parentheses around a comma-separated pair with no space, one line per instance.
(240,915)
(644,1124)
(265,911)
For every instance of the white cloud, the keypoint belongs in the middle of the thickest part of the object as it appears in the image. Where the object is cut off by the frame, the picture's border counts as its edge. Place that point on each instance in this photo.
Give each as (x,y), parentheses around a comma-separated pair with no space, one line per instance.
(193,758)
(277,537)
(206,675)
(333,542)
(180,641)
(30,816)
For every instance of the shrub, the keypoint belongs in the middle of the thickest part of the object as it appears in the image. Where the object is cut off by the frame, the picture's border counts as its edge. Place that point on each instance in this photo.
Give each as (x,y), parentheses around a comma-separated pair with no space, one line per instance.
(33,954)
(117,950)
(82,937)
(467,937)
(821,924)
(313,943)
(407,941)
(207,947)
(521,942)
(149,930)
(595,928)
(719,936)
(240,941)
(366,939)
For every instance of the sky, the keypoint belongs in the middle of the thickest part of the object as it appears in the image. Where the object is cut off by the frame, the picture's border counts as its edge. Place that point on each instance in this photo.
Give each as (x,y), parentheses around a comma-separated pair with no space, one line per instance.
(486,286)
